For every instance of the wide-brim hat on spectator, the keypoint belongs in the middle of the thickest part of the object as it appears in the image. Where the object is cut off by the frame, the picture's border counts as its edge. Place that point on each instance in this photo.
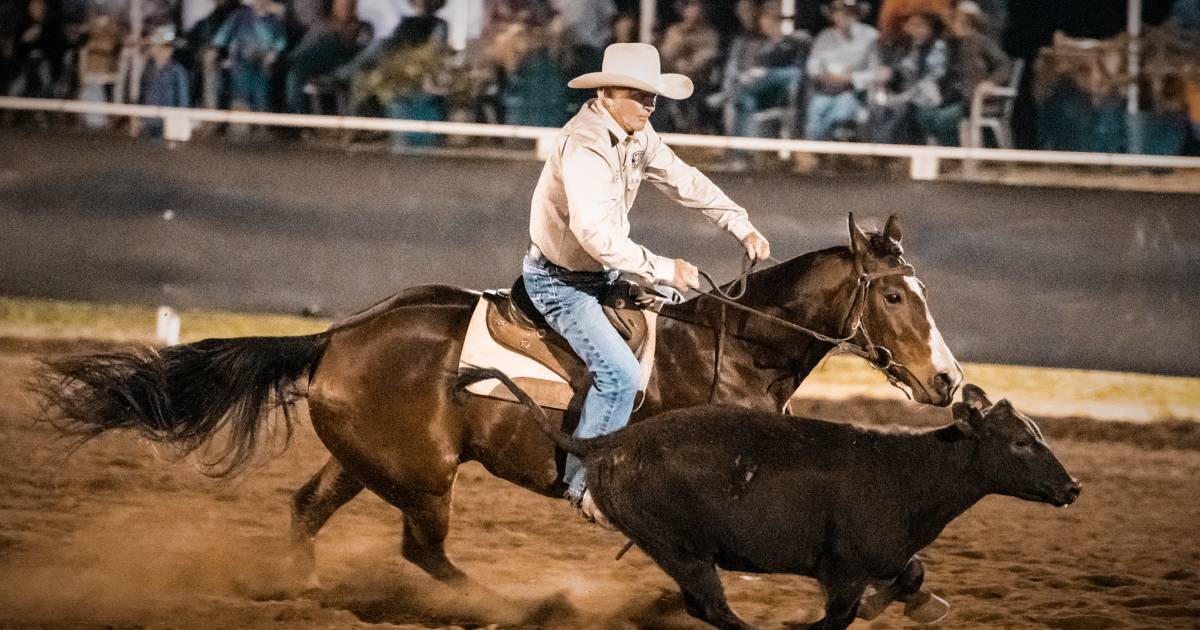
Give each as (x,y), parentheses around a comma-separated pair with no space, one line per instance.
(861,9)
(635,66)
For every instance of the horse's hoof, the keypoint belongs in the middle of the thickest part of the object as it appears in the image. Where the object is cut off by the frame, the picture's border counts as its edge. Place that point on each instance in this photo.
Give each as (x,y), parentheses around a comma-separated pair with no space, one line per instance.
(925,607)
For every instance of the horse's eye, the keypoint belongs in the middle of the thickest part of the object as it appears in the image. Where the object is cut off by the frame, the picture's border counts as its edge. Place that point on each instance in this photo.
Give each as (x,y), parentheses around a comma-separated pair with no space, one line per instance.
(1023,444)
(893,298)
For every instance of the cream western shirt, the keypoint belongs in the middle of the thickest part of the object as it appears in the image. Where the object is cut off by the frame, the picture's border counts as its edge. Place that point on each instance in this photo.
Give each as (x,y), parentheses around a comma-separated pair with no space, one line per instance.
(580,213)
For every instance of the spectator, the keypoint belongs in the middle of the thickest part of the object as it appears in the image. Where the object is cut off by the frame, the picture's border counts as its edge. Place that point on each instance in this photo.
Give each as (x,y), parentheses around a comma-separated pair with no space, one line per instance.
(532,85)
(252,39)
(974,58)
(909,75)
(98,58)
(10,19)
(584,30)
(201,57)
(407,81)
(768,71)
(335,40)
(625,29)
(839,70)
(164,82)
(689,47)
(38,51)
(425,25)
(893,14)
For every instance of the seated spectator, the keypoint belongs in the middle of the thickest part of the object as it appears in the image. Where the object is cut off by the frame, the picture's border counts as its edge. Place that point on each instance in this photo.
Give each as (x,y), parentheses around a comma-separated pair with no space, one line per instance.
(839,71)
(908,76)
(335,40)
(202,58)
(625,29)
(689,47)
(974,59)
(893,14)
(769,67)
(252,39)
(98,57)
(408,80)
(531,81)
(424,23)
(164,82)
(584,30)
(37,60)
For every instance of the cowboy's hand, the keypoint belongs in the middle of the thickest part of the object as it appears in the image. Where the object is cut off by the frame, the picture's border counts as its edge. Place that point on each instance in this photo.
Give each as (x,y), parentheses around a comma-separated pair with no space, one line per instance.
(686,276)
(757,247)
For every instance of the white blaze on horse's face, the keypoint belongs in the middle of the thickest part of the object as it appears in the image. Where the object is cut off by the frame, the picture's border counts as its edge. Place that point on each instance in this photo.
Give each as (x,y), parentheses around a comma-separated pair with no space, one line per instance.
(905,326)
(940,357)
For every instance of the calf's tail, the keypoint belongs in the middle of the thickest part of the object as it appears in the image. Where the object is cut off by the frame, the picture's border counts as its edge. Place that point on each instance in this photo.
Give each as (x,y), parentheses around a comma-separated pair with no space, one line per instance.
(570,444)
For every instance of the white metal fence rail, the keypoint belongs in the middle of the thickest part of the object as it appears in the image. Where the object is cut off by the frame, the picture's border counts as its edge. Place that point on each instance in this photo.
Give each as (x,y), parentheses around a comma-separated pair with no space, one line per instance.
(178,123)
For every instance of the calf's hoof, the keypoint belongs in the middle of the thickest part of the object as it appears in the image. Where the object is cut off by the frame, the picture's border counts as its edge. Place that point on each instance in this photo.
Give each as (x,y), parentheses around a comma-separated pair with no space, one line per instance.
(925,607)
(873,603)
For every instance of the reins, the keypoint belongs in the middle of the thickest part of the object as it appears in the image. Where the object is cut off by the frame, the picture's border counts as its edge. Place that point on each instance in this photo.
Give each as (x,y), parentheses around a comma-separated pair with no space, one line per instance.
(879,357)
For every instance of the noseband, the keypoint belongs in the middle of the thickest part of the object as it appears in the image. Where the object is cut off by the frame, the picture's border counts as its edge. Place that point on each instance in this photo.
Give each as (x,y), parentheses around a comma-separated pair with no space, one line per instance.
(877,356)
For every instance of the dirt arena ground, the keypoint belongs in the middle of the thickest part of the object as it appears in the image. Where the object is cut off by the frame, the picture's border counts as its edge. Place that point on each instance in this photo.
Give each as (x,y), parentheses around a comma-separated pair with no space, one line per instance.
(118,536)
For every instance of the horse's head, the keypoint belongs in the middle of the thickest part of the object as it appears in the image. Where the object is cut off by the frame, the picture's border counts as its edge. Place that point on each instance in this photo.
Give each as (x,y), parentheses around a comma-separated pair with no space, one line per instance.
(894,314)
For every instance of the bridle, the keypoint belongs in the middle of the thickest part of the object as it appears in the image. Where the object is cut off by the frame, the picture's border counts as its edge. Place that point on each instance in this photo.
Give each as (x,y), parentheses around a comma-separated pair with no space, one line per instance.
(877,356)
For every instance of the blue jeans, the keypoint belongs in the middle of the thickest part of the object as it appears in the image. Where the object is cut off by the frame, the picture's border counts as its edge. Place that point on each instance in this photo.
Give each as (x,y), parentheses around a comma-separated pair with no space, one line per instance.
(765,92)
(826,112)
(570,301)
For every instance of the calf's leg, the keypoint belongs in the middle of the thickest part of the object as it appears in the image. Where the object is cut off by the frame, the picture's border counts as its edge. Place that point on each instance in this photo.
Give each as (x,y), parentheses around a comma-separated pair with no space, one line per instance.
(701,587)
(919,605)
(841,603)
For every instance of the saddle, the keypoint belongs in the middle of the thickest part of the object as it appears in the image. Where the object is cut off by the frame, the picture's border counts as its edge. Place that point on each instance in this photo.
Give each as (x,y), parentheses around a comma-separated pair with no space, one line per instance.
(515,323)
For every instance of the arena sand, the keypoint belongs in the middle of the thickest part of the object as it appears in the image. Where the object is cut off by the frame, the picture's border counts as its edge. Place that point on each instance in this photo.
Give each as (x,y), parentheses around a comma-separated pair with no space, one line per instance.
(116,535)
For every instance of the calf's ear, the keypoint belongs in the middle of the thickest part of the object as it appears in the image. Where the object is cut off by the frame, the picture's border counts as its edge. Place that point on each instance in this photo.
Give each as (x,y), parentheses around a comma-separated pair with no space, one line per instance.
(967,418)
(975,397)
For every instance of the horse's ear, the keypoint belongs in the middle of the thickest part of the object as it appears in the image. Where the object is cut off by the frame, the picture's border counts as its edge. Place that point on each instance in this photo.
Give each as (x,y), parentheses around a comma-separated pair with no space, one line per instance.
(859,243)
(975,397)
(892,229)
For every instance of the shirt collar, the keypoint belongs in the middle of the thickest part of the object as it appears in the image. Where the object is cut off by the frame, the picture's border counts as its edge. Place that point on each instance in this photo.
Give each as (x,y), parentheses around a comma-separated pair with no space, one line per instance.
(614,128)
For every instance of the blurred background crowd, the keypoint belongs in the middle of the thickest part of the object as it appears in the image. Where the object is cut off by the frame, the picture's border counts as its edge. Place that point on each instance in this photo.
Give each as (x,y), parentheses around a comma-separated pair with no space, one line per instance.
(1023,73)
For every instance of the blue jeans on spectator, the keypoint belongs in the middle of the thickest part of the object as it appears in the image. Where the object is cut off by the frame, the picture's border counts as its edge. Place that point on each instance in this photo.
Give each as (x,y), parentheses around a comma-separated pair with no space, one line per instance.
(767,91)
(826,112)
(941,122)
(570,301)
(416,106)
(249,85)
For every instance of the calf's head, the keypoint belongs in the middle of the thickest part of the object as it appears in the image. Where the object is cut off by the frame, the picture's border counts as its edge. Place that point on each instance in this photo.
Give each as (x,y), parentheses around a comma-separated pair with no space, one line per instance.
(1012,454)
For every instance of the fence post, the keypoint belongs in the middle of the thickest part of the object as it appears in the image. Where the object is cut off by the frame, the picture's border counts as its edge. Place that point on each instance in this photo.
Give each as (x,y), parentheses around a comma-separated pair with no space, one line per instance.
(924,167)
(167,330)
(177,128)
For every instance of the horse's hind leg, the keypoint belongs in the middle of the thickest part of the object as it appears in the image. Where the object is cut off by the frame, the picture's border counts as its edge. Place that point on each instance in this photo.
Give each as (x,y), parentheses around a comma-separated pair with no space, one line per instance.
(312,505)
(426,524)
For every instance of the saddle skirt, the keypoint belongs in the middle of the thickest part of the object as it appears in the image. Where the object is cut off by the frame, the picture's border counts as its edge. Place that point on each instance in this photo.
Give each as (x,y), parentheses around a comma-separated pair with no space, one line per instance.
(507,333)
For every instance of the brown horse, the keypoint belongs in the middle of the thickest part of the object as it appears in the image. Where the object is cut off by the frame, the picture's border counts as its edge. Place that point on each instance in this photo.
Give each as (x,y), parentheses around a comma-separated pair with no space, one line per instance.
(380,384)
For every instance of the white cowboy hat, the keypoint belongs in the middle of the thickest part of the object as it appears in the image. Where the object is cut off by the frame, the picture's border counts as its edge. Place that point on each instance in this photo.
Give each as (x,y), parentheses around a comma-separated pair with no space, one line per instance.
(635,66)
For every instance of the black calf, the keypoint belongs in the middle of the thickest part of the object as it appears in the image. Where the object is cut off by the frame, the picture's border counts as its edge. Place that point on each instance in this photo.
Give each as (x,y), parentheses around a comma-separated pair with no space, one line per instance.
(750,491)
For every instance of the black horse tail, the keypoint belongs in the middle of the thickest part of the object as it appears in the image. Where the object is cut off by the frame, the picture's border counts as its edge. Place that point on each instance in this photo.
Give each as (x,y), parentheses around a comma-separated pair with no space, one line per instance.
(570,444)
(182,395)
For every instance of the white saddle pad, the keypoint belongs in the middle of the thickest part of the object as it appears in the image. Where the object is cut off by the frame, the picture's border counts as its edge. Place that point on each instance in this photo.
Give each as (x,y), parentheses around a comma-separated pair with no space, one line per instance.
(542,384)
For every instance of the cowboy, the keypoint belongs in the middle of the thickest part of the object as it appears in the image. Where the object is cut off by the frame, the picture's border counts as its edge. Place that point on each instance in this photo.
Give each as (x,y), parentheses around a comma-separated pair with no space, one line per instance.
(579,228)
